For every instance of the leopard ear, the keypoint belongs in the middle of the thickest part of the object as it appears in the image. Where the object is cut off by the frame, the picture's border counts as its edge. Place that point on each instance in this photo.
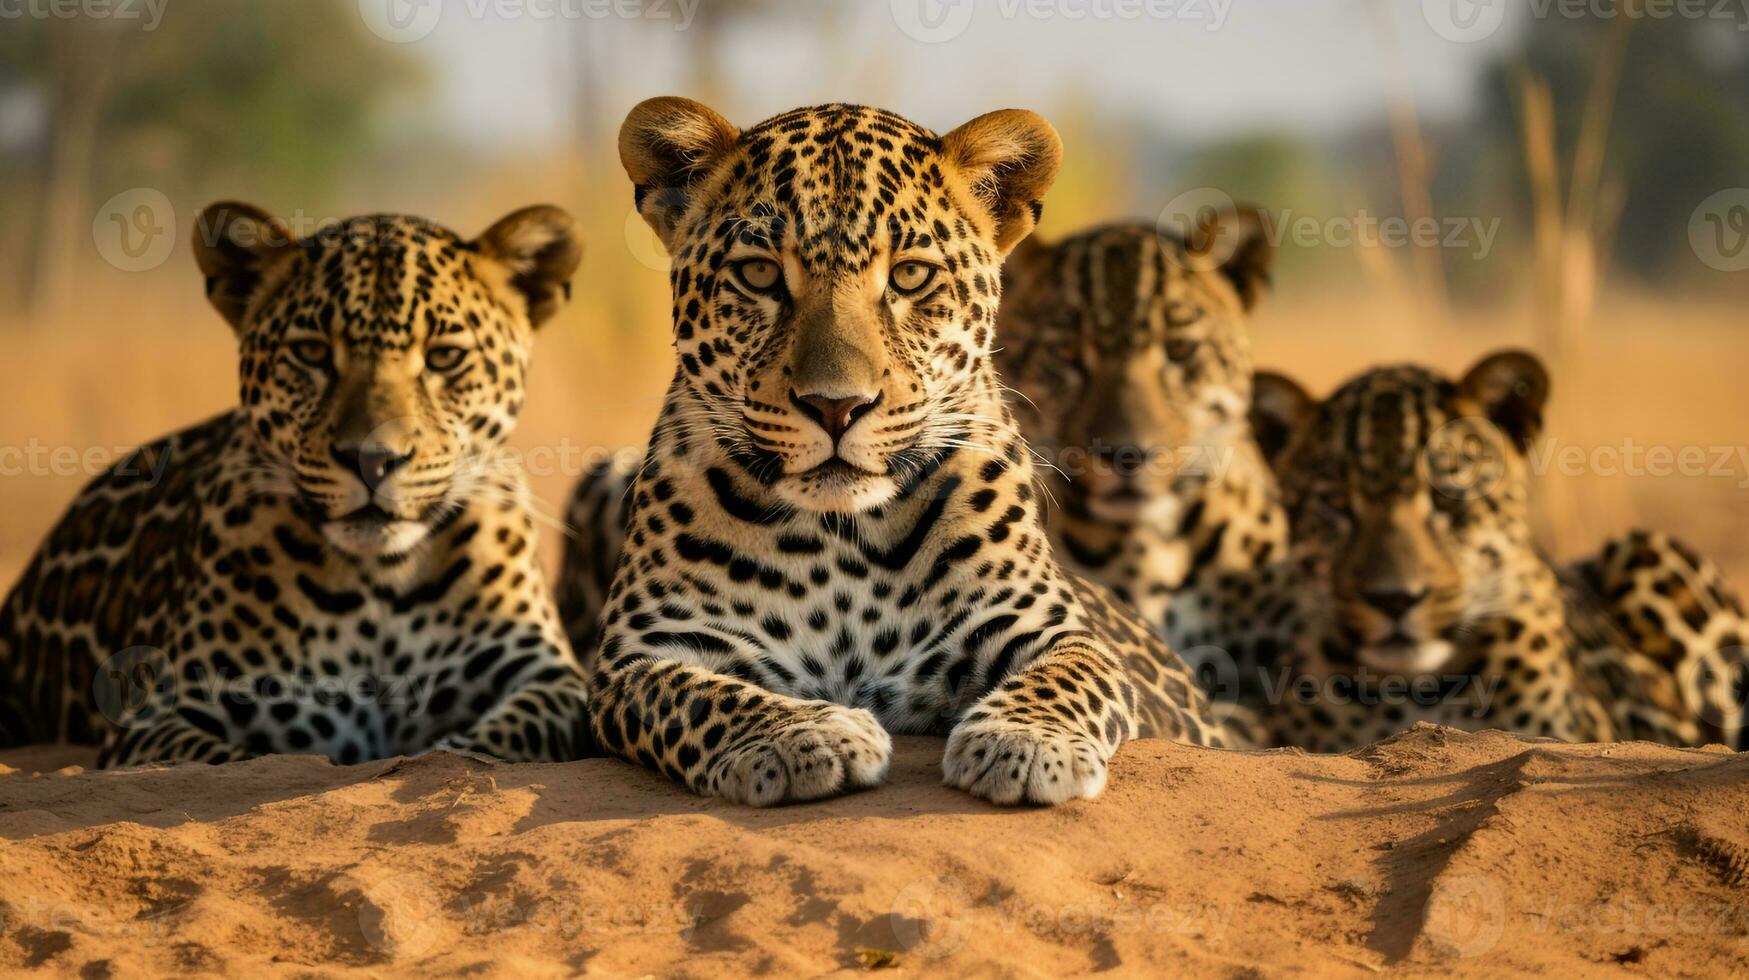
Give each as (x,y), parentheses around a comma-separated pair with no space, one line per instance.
(1010,158)
(1239,241)
(666,145)
(1511,386)
(237,246)
(539,246)
(1279,407)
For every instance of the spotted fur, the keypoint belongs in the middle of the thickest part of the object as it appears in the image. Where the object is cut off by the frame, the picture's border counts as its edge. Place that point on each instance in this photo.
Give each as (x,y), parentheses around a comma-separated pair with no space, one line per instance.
(1127,349)
(1415,592)
(595,525)
(344,564)
(835,535)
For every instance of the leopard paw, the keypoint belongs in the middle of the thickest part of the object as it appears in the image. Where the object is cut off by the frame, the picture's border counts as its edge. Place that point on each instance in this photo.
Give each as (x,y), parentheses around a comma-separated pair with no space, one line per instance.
(820,753)
(1014,762)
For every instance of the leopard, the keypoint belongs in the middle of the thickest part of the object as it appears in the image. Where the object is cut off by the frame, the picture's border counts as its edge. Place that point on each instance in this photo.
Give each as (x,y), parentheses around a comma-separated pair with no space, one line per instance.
(1127,350)
(834,536)
(344,563)
(595,531)
(1414,589)
(1128,365)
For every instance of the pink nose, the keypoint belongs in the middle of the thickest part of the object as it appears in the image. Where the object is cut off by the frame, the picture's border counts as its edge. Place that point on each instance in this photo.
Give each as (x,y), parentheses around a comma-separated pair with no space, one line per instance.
(835,415)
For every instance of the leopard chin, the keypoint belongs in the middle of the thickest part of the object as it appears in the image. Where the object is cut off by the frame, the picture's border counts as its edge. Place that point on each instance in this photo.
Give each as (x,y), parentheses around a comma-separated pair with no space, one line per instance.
(1408,658)
(372,533)
(836,487)
(1161,511)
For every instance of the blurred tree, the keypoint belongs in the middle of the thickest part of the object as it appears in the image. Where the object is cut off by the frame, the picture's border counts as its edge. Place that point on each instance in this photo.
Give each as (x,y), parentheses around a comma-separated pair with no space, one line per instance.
(708,37)
(1680,131)
(274,98)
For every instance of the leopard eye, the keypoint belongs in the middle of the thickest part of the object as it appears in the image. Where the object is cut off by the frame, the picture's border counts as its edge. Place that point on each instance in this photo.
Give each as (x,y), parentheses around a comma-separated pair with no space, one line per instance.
(445,358)
(311,352)
(759,275)
(911,277)
(1181,349)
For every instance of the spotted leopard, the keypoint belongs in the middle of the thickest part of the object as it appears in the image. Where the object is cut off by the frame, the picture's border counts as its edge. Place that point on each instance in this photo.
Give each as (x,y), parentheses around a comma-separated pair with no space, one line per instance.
(834,534)
(1414,590)
(1129,356)
(342,565)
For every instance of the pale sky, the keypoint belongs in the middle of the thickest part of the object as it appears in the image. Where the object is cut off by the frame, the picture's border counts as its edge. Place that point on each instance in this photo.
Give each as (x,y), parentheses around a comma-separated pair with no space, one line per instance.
(507,69)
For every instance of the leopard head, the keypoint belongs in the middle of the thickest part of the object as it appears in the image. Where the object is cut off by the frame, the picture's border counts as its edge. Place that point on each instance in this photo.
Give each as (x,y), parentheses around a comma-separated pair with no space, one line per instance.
(1408,494)
(383,359)
(1129,350)
(835,273)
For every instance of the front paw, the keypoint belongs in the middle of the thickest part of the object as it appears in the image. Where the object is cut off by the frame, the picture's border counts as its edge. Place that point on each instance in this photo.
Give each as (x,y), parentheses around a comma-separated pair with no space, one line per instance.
(821,752)
(1023,762)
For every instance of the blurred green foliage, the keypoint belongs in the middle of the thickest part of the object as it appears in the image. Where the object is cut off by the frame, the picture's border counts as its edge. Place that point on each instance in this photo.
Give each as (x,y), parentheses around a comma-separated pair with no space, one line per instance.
(1680,131)
(272,98)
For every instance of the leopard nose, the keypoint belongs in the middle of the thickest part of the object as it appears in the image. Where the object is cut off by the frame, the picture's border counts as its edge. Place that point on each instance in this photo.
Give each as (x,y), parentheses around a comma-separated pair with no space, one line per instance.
(373,464)
(1395,603)
(834,414)
(1124,459)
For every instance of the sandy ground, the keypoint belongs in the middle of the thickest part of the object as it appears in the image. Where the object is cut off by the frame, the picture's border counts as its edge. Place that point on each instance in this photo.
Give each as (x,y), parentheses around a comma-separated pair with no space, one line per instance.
(1434,852)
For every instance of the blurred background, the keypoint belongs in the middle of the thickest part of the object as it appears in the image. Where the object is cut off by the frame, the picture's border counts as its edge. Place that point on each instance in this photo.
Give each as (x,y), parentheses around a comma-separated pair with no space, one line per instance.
(1447,176)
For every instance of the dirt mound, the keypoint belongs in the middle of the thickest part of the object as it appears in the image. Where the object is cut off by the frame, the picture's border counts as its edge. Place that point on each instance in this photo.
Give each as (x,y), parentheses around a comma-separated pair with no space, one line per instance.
(1435,851)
